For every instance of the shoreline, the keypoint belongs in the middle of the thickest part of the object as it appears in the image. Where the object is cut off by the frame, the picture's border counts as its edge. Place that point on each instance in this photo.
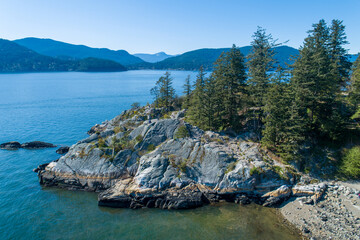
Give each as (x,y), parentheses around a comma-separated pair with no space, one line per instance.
(336,216)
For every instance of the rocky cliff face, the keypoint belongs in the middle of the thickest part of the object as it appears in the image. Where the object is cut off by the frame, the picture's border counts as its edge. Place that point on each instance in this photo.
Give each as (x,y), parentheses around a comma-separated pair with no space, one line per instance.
(138,160)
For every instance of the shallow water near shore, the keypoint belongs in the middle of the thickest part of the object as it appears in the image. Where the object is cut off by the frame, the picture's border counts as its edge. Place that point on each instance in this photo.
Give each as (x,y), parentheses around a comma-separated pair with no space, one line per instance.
(59,108)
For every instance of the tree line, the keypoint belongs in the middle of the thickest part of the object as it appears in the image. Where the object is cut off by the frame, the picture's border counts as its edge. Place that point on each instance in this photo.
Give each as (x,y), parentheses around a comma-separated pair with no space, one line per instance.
(314,99)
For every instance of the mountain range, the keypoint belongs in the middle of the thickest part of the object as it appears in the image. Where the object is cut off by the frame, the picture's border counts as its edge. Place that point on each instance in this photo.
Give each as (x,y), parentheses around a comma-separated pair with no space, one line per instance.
(207,56)
(52,48)
(35,54)
(16,58)
(153,58)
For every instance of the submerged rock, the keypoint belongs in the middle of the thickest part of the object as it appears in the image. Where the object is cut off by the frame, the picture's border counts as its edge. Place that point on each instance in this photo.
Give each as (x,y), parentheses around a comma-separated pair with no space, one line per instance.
(10,145)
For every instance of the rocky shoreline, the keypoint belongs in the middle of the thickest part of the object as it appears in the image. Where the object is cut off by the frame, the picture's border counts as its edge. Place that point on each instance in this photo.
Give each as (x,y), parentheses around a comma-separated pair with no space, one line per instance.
(146,157)
(336,216)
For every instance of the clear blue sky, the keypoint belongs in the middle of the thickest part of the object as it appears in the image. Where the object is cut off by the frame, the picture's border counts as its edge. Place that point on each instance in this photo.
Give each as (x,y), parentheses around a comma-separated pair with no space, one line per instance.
(173,26)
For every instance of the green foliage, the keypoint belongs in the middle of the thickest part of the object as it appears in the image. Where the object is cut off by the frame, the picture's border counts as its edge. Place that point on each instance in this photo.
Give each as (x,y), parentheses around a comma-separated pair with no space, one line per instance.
(139,138)
(229,88)
(230,167)
(217,98)
(351,163)
(182,132)
(187,92)
(101,143)
(163,92)
(151,147)
(117,129)
(135,105)
(183,165)
(255,171)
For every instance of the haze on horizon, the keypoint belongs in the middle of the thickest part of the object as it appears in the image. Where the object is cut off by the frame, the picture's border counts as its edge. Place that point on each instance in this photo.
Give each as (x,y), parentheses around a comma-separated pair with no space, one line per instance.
(173,27)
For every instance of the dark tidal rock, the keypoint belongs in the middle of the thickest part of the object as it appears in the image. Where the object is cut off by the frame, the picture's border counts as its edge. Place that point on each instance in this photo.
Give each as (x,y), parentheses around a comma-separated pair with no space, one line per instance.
(10,145)
(37,145)
(63,150)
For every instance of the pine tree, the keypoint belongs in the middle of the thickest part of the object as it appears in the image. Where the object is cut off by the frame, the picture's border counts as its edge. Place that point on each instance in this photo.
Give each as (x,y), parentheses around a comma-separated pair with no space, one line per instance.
(187,92)
(230,82)
(338,54)
(196,112)
(313,73)
(354,91)
(260,64)
(163,92)
(276,111)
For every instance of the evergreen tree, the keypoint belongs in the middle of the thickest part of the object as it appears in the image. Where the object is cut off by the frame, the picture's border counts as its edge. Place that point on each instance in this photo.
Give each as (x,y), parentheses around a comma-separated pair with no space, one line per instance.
(163,92)
(260,64)
(196,112)
(210,104)
(187,92)
(230,82)
(317,84)
(276,111)
(354,91)
(338,54)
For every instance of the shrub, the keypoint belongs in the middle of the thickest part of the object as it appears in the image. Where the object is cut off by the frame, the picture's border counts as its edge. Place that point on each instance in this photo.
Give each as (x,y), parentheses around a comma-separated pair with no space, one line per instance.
(182,165)
(151,147)
(117,129)
(231,167)
(139,138)
(101,143)
(351,163)
(135,105)
(182,132)
(254,171)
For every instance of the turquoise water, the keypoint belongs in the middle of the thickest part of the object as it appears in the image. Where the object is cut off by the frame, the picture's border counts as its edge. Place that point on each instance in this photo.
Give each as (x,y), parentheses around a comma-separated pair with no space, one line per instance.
(59,108)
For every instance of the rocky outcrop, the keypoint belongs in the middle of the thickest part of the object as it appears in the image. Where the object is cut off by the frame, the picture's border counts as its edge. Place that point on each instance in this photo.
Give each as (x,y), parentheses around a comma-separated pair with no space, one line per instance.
(37,145)
(63,150)
(10,146)
(138,160)
(27,145)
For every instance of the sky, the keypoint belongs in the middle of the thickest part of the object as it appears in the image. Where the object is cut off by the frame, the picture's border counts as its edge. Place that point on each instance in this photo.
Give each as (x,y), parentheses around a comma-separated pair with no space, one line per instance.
(173,26)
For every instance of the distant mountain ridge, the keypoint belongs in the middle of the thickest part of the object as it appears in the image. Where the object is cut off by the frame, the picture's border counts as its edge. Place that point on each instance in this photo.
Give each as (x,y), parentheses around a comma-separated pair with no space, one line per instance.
(15,58)
(191,60)
(153,58)
(207,56)
(62,50)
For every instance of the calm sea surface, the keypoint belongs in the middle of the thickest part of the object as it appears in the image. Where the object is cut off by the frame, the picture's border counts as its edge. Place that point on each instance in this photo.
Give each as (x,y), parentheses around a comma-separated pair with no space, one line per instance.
(59,108)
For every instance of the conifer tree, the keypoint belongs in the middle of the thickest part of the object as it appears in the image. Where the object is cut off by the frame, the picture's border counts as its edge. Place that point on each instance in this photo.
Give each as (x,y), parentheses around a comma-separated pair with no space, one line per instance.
(338,54)
(276,111)
(187,92)
(260,64)
(318,88)
(163,92)
(354,91)
(230,81)
(196,112)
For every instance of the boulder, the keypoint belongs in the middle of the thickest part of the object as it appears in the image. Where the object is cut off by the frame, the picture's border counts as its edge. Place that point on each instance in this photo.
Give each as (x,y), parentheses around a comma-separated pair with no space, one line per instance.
(37,145)
(63,150)
(10,145)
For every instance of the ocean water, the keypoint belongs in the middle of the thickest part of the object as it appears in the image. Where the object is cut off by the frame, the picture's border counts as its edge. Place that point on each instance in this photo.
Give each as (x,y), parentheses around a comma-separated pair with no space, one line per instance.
(59,108)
